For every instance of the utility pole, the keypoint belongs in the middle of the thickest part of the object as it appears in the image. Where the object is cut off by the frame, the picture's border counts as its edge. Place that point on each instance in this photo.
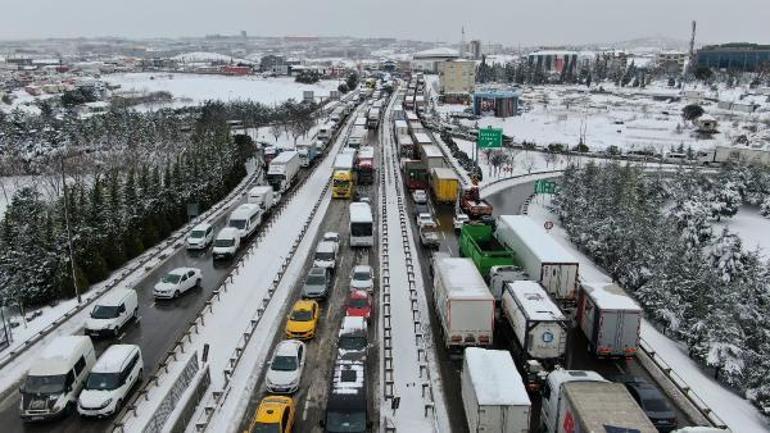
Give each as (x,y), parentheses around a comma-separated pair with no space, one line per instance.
(69,231)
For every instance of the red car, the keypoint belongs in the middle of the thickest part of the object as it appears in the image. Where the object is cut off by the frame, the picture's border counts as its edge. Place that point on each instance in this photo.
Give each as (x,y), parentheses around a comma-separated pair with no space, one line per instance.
(359,304)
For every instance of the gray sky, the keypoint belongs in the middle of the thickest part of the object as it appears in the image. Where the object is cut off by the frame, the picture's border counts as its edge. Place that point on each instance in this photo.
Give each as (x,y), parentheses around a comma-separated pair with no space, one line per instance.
(512,22)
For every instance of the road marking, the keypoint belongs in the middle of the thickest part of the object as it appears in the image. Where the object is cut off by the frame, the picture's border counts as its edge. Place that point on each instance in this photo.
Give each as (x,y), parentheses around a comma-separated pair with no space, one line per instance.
(304,409)
(617,365)
(450,250)
(120,337)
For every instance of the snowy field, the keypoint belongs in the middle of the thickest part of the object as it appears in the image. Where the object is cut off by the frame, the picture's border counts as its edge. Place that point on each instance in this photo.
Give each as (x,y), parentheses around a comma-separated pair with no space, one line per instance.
(736,412)
(751,228)
(193,89)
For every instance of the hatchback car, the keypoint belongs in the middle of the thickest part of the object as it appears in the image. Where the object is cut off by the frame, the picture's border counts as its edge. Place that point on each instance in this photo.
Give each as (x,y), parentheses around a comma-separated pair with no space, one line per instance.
(317,283)
(420,196)
(109,383)
(303,320)
(359,304)
(285,371)
(651,400)
(362,278)
(424,218)
(275,414)
(176,282)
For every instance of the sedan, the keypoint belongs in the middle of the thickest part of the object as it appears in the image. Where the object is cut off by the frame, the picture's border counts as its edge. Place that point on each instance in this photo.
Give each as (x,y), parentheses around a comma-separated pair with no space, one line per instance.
(460,220)
(359,304)
(362,278)
(653,403)
(424,218)
(285,368)
(303,320)
(317,283)
(176,282)
(420,196)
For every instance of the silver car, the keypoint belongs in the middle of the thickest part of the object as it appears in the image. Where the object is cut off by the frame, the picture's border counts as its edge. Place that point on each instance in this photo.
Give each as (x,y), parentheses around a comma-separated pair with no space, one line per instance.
(317,283)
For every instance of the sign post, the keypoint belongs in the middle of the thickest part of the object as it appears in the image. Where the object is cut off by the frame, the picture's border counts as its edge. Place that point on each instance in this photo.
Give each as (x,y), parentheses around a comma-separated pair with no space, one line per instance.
(489,138)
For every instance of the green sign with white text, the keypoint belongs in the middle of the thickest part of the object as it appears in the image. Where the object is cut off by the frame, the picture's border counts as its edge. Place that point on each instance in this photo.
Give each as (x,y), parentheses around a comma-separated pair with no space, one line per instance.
(545,187)
(489,138)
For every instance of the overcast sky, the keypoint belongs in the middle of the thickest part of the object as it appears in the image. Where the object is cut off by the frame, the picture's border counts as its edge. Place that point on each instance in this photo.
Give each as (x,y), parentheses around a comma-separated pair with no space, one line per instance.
(512,22)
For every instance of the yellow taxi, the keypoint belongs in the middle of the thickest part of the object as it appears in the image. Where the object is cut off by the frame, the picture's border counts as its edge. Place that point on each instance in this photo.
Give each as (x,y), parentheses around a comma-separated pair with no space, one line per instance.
(275,414)
(303,319)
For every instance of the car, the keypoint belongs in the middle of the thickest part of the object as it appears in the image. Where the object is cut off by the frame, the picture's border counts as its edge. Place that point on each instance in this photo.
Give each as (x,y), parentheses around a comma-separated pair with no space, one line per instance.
(317,283)
(200,237)
(460,220)
(429,235)
(275,414)
(303,320)
(362,278)
(177,282)
(652,401)
(113,312)
(424,218)
(352,340)
(421,208)
(420,196)
(111,380)
(359,304)
(325,255)
(285,368)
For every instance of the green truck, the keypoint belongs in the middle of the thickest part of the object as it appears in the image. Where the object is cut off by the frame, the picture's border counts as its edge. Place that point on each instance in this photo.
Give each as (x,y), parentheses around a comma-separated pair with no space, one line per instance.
(478,243)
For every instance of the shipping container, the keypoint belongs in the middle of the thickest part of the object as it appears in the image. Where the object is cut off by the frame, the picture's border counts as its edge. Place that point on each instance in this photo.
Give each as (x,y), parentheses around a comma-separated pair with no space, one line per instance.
(445,185)
(609,318)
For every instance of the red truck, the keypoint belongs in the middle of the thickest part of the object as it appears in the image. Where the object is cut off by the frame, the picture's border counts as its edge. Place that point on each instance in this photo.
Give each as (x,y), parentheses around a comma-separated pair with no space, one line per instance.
(472,204)
(365,165)
(415,174)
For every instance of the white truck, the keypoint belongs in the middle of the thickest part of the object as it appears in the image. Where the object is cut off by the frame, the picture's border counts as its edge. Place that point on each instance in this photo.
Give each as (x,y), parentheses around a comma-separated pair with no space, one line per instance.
(576,401)
(610,320)
(283,170)
(539,326)
(373,118)
(356,137)
(494,396)
(325,131)
(544,259)
(263,196)
(464,305)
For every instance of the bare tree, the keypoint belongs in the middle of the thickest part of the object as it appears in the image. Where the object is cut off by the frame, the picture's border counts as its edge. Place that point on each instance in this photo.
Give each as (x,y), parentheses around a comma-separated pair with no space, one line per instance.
(550,158)
(528,162)
(276,130)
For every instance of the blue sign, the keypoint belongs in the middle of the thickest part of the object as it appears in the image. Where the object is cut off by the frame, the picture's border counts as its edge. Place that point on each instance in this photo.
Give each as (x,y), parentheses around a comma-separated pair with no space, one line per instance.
(547,337)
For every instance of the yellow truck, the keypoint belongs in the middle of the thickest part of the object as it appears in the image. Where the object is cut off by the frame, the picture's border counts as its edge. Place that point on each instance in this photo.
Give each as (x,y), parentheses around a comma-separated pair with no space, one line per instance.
(445,185)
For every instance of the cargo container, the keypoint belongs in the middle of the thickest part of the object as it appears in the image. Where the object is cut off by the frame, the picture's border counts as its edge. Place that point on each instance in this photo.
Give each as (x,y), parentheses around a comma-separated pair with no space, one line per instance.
(373,118)
(401,127)
(494,397)
(365,165)
(465,308)
(356,137)
(264,196)
(478,243)
(432,155)
(542,257)
(609,318)
(415,174)
(405,146)
(444,184)
(577,401)
(283,170)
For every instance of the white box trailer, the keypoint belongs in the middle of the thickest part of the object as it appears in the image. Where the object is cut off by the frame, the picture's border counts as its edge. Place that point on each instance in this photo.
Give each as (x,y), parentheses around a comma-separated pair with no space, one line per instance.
(263,196)
(432,156)
(465,307)
(283,170)
(609,318)
(402,128)
(494,396)
(545,260)
(356,137)
(539,326)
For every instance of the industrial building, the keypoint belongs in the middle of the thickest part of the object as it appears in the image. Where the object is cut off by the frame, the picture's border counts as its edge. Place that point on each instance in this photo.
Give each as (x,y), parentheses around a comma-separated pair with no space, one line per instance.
(428,60)
(735,56)
(496,102)
(457,79)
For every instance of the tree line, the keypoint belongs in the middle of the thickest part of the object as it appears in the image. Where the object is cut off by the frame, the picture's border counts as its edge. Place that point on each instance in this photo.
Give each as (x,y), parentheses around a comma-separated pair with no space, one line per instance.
(656,237)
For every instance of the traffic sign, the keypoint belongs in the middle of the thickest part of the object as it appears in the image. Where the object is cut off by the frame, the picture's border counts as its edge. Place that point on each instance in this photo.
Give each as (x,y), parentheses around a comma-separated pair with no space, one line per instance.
(545,187)
(548,225)
(489,138)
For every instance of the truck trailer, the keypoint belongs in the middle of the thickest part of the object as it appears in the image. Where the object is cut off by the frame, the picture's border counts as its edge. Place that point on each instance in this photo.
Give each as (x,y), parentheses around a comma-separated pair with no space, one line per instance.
(464,305)
(283,170)
(609,318)
(544,259)
(444,184)
(494,396)
(264,196)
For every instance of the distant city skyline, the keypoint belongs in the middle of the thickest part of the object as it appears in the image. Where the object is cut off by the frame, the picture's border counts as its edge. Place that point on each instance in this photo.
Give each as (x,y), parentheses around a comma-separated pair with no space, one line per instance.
(528,23)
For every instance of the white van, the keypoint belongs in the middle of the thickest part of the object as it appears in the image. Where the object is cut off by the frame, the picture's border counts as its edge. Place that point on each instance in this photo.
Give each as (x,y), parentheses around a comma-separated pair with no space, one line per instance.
(200,237)
(56,377)
(226,243)
(262,196)
(108,384)
(245,218)
(111,313)
(325,255)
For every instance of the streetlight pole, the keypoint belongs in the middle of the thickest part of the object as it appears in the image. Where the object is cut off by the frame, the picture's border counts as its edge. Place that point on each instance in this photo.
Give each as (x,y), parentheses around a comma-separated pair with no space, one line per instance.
(69,232)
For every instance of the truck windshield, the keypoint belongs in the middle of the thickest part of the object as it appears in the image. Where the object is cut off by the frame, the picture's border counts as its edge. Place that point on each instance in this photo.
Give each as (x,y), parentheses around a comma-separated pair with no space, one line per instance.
(341,183)
(344,422)
(44,384)
(239,224)
(361,229)
(324,256)
(103,381)
(266,428)
(224,243)
(105,312)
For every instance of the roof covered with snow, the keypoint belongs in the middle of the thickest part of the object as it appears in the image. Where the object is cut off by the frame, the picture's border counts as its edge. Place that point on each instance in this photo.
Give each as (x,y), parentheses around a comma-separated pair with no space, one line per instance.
(113,359)
(534,301)
(494,377)
(60,355)
(610,296)
(432,151)
(461,278)
(536,238)
(436,52)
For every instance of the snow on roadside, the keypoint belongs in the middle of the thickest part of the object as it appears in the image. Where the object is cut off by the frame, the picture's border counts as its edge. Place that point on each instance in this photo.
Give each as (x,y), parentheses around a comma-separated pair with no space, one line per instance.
(751,227)
(734,410)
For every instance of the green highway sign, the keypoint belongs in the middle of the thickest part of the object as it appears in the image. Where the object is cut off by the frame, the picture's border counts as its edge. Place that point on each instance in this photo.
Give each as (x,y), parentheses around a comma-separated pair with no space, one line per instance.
(490,138)
(545,187)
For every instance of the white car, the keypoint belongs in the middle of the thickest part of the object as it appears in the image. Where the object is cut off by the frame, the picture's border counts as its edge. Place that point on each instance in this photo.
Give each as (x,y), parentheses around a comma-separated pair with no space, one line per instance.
(110,381)
(424,218)
(333,237)
(285,371)
(176,282)
(325,255)
(362,278)
(200,237)
(420,196)
(460,220)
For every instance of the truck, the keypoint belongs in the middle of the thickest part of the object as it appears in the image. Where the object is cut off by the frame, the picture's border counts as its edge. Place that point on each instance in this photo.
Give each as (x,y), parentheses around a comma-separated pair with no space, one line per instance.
(325,131)
(373,118)
(356,137)
(405,146)
(494,397)
(478,243)
(473,205)
(365,165)
(307,153)
(578,401)
(432,155)
(609,318)
(264,196)
(539,327)
(415,174)
(444,184)
(465,308)
(343,176)
(542,257)
(499,275)
(401,127)
(283,170)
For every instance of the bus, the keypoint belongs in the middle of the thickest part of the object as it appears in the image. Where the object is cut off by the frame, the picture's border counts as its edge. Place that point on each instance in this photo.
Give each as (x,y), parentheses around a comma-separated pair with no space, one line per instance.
(361,225)
(343,179)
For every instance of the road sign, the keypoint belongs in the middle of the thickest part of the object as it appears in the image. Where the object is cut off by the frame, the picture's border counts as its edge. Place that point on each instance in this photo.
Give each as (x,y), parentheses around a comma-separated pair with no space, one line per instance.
(545,187)
(548,225)
(490,138)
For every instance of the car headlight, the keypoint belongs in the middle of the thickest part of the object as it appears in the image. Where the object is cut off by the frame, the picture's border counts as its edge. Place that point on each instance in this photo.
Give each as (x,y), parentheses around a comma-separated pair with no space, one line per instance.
(105,404)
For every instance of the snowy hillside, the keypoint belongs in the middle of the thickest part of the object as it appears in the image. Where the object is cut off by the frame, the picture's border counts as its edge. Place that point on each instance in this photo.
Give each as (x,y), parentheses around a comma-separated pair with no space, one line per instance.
(203,56)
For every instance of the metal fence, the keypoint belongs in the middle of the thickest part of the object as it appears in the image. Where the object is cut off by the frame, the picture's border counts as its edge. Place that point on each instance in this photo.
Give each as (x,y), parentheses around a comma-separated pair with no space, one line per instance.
(171,399)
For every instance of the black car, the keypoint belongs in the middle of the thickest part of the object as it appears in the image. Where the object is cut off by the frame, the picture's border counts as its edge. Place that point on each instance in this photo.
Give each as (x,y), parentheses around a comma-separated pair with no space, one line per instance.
(653,403)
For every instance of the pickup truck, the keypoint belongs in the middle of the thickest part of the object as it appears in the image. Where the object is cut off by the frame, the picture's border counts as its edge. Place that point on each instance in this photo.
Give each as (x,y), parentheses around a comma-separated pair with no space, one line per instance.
(429,236)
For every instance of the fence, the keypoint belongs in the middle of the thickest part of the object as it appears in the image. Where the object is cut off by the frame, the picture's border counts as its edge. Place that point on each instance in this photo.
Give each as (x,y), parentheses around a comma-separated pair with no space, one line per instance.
(165,408)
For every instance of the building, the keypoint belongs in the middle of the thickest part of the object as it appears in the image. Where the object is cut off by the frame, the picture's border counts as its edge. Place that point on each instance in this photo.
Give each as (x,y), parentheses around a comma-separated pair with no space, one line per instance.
(736,56)
(496,102)
(275,65)
(457,77)
(475,49)
(428,60)
(671,59)
(236,70)
(549,62)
